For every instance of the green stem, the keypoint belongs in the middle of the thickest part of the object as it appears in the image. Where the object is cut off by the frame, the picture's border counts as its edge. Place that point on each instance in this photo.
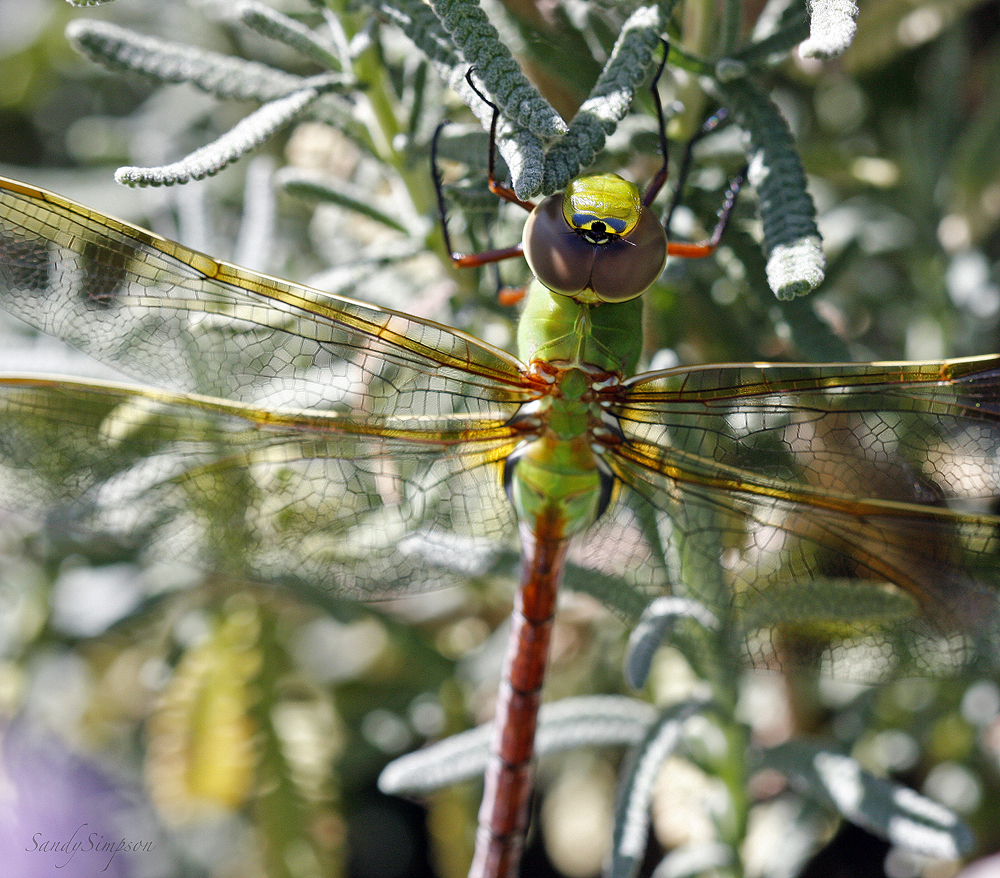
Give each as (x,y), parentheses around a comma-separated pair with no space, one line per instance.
(732,24)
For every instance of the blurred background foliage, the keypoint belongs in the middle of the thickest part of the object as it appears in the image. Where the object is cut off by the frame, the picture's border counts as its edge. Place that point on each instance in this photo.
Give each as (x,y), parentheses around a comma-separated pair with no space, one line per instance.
(241,727)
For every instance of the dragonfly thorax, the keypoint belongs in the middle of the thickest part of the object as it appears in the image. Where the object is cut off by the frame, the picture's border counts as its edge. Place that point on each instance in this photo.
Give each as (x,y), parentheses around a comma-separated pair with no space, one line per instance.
(558,472)
(557,328)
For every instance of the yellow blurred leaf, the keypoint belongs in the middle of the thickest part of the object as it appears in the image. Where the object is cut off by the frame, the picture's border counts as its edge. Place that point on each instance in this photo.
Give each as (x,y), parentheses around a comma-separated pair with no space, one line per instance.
(201,735)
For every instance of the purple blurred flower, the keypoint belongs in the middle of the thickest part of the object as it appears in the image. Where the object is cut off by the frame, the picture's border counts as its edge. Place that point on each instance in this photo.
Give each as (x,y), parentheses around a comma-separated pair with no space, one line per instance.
(61,815)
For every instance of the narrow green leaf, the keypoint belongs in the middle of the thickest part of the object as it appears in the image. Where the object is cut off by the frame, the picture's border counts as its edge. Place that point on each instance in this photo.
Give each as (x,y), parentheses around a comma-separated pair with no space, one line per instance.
(246,135)
(812,335)
(307,184)
(632,814)
(731,26)
(656,626)
(286,806)
(617,593)
(827,602)
(418,90)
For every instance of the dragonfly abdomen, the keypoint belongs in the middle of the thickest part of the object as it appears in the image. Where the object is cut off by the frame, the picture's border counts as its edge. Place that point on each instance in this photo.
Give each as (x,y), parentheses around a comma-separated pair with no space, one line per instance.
(503,816)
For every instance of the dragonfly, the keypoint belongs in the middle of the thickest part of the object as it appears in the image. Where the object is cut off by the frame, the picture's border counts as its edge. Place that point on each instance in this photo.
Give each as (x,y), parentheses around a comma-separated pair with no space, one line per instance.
(280,431)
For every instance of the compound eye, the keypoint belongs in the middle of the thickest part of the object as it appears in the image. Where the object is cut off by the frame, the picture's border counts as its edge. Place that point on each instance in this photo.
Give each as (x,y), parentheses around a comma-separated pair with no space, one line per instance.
(628,266)
(559,256)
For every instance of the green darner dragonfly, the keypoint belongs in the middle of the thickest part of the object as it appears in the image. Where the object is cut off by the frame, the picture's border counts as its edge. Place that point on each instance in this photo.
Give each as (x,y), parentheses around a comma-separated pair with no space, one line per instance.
(293,433)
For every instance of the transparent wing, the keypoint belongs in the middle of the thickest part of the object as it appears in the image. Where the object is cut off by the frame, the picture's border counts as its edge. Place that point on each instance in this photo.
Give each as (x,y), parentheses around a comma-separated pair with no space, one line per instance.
(835,501)
(184,321)
(297,433)
(366,511)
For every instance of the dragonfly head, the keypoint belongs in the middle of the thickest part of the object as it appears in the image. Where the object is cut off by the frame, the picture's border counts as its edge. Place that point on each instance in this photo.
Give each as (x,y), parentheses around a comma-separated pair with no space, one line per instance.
(595,242)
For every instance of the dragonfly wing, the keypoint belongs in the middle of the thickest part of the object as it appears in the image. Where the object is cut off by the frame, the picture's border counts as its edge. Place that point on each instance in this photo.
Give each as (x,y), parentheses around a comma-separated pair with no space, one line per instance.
(182,320)
(371,510)
(791,491)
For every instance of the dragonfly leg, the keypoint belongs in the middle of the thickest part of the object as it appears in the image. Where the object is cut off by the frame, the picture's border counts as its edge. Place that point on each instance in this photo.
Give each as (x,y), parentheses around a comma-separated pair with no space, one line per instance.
(462,260)
(511,295)
(486,257)
(710,244)
(503,192)
(711,124)
(656,184)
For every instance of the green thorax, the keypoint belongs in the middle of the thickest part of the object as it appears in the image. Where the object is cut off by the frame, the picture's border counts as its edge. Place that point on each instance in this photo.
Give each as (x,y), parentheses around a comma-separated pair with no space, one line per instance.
(558,475)
(558,329)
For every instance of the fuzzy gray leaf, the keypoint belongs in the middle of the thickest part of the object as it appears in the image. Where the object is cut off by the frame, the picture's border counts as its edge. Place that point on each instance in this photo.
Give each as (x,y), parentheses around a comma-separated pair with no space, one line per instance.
(795,264)
(894,812)
(832,25)
(121,49)
(292,33)
(610,98)
(507,86)
(594,721)
(247,134)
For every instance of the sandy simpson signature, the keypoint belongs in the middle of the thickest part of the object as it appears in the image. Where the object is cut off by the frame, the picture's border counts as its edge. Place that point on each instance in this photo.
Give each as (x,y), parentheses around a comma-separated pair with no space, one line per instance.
(79,842)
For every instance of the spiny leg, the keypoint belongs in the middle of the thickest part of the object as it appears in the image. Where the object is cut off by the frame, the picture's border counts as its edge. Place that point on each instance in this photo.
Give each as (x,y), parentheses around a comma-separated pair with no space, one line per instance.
(708,246)
(656,184)
(713,123)
(503,192)
(475,260)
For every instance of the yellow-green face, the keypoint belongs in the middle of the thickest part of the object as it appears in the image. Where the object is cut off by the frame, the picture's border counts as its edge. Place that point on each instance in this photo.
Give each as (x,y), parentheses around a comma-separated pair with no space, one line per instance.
(602,203)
